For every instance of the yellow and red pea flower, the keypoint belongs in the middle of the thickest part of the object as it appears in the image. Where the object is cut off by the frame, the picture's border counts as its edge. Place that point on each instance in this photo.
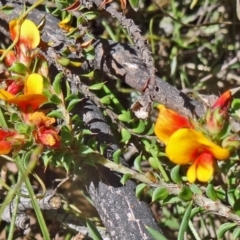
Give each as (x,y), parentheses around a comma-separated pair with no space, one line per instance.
(39,119)
(223,101)
(31,99)
(29,39)
(168,122)
(48,137)
(217,115)
(9,140)
(188,146)
(185,145)
(14,86)
(29,35)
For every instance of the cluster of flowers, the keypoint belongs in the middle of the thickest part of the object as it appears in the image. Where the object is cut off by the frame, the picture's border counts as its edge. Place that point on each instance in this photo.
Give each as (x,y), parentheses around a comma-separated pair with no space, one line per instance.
(25,90)
(198,143)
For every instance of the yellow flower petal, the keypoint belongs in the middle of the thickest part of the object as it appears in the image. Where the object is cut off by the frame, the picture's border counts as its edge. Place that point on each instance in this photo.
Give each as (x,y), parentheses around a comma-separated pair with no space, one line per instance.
(65,24)
(185,145)
(168,122)
(29,33)
(201,169)
(34,84)
(205,172)
(5,95)
(192,173)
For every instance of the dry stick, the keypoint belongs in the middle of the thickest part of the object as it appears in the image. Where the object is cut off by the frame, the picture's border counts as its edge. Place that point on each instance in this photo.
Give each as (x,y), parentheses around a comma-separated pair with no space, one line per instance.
(142,106)
(215,207)
(123,61)
(135,33)
(49,201)
(124,216)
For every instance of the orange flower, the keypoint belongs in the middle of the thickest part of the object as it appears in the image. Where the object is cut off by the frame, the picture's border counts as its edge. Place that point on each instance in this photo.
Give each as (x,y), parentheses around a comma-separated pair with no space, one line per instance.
(10,57)
(216,116)
(48,137)
(168,122)
(185,145)
(29,36)
(223,101)
(40,119)
(32,98)
(10,139)
(188,146)
(29,39)
(14,86)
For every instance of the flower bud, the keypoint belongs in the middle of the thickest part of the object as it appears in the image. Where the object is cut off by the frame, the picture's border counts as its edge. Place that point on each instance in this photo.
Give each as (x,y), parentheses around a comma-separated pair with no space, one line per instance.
(231,142)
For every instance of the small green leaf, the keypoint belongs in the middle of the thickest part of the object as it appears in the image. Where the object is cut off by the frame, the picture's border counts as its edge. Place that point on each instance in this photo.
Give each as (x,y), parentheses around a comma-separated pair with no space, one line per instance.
(155,234)
(71,97)
(47,93)
(56,114)
(89,53)
(46,159)
(125,117)
(91,15)
(63,61)
(116,156)
(67,161)
(93,232)
(105,100)
(172,200)
(195,211)
(19,68)
(125,177)
(22,128)
(137,163)
(66,134)
(159,194)
(154,162)
(186,194)
(236,233)
(13,118)
(139,189)
(140,128)
(3,122)
(83,149)
(151,130)
(184,223)
(195,189)
(211,193)
(126,135)
(87,132)
(55,99)
(6,9)
(134,4)
(89,75)
(57,83)
(175,174)
(236,207)
(72,104)
(235,104)
(224,228)
(221,193)
(97,86)
(102,148)
(231,196)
